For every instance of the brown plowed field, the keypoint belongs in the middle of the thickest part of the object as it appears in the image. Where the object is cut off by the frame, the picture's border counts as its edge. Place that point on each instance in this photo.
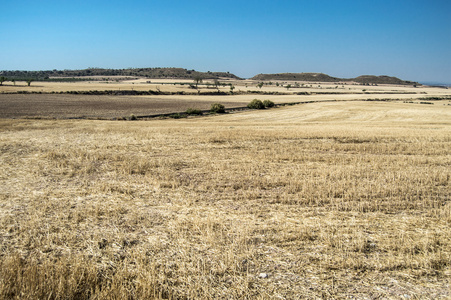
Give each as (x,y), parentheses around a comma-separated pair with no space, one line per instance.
(105,107)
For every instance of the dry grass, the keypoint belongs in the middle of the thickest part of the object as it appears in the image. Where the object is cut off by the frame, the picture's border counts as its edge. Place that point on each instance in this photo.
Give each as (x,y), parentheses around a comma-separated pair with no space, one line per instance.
(331,200)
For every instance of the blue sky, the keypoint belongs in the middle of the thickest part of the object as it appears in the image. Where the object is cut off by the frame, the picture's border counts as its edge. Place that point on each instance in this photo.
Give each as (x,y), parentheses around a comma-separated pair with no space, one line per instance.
(344,38)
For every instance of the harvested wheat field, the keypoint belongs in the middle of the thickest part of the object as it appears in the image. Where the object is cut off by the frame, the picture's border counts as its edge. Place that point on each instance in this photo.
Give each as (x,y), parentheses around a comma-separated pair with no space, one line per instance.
(323,200)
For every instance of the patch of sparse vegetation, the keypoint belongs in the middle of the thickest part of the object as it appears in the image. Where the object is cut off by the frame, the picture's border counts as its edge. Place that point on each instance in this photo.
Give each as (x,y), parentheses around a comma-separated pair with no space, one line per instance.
(217,108)
(447,97)
(193,111)
(256,104)
(268,103)
(177,116)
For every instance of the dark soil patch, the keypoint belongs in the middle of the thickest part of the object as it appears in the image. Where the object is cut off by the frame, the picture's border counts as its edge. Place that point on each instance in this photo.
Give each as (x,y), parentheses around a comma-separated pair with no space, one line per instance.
(94,106)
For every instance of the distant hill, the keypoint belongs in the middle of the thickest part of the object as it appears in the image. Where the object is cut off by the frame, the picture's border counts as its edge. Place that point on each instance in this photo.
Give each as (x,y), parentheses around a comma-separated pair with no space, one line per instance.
(180,73)
(135,72)
(320,77)
(382,80)
(297,76)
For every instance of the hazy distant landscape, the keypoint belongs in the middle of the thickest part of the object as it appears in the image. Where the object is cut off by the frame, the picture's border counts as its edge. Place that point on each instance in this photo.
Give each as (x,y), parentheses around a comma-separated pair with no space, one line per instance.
(97,93)
(102,74)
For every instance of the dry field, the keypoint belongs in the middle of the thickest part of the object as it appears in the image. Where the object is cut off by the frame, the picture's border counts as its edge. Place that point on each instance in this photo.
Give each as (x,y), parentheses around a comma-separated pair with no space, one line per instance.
(65,106)
(324,200)
(44,101)
(175,85)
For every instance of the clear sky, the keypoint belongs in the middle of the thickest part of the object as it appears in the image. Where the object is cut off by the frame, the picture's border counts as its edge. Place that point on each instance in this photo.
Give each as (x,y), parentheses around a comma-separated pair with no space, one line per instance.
(342,38)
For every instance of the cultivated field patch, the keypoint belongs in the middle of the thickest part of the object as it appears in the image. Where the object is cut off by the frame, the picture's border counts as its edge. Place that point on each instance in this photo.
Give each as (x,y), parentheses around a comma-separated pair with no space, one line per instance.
(103,107)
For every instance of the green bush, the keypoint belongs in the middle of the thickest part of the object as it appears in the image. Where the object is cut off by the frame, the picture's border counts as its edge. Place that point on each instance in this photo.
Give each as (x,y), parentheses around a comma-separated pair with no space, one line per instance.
(177,116)
(192,111)
(256,104)
(268,103)
(217,108)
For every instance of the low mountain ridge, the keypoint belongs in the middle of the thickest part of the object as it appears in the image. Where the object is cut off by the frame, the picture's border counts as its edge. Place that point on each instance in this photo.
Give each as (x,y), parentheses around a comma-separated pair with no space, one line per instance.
(297,76)
(135,72)
(321,77)
(382,80)
(181,73)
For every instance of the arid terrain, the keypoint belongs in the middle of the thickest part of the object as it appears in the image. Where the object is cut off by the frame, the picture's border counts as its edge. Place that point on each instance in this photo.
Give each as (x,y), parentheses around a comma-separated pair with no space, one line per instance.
(91,99)
(341,199)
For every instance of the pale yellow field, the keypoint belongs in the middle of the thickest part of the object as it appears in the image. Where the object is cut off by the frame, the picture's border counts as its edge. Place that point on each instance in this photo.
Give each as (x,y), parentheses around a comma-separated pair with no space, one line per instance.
(354,113)
(342,92)
(323,200)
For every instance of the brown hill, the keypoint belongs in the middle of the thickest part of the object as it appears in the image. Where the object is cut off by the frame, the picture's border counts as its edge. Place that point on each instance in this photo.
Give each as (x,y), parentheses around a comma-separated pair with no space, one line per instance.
(138,72)
(320,77)
(297,76)
(382,80)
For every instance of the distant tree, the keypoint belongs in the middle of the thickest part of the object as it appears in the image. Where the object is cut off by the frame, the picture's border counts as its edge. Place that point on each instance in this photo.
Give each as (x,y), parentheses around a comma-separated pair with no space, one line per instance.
(29,81)
(217,108)
(197,79)
(268,103)
(232,87)
(288,86)
(260,85)
(193,111)
(216,84)
(2,79)
(14,81)
(256,104)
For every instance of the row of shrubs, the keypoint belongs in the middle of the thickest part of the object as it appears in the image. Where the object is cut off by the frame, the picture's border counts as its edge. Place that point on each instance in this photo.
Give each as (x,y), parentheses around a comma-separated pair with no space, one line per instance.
(220,109)
(217,108)
(258,104)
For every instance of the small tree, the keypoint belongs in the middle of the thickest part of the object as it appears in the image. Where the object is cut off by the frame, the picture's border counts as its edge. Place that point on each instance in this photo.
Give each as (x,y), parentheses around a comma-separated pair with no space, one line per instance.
(2,79)
(29,81)
(260,85)
(268,103)
(232,87)
(256,104)
(216,83)
(198,79)
(217,108)
(288,86)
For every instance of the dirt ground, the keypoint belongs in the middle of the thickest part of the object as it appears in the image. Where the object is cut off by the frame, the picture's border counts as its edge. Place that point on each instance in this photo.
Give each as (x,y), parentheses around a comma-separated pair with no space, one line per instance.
(104,107)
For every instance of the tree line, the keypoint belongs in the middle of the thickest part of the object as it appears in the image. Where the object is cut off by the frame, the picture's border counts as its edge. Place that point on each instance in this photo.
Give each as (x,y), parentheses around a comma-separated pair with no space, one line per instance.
(13,80)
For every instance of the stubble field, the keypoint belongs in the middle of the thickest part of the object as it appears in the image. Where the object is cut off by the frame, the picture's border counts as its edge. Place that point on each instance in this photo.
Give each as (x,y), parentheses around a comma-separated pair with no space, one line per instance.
(322,200)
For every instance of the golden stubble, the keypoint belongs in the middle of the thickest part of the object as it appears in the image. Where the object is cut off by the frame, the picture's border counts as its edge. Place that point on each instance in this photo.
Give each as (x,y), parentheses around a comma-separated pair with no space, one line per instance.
(245,207)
